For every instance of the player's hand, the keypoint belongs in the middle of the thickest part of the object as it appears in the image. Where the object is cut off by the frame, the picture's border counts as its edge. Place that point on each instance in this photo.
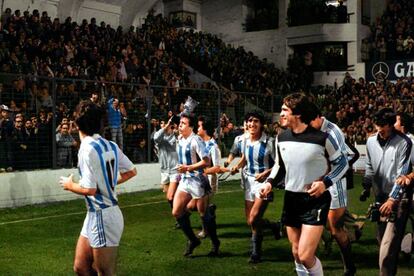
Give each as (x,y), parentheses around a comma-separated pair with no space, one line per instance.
(66,182)
(234,170)
(317,188)
(403,180)
(183,168)
(265,190)
(167,125)
(386,208)
(224,170)
(260,177)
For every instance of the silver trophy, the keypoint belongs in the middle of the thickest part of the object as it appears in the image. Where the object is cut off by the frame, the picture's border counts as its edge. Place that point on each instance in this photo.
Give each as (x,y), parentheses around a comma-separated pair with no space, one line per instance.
(189,106)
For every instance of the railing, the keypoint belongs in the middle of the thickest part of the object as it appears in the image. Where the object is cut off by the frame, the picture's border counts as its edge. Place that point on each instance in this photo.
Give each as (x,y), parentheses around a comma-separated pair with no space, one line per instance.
(45,102)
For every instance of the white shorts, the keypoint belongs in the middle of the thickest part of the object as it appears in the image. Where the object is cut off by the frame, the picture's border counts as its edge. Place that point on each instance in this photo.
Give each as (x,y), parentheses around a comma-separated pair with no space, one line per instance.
(252,188)
(103,228)
(193,186)
(338,195)
(167,178)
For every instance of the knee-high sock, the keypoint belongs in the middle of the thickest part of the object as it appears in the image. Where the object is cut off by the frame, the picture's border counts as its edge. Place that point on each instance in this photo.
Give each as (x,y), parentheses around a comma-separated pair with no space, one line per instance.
(301,269)
(257,244)
(185,224)
(209,224)
(316,269)
(346,254)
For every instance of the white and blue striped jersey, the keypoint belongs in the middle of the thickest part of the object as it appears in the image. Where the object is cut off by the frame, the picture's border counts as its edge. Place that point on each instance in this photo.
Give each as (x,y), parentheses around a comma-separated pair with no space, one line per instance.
(236,148)
(214,154)
(336,134)
(259,155)
(99,162)
(190,151)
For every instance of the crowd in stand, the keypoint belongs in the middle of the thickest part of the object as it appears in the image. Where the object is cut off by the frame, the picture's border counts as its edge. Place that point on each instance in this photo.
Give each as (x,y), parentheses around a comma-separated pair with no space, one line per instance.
(352,103)
(101,58)
(392,33)
(114,63)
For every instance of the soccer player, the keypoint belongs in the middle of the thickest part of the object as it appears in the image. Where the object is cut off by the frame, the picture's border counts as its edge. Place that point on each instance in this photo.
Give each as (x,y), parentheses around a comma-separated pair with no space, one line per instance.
(338,195)
(310,163)
(192,158)
(100,161)
(206,131)
(258,154)
(166,141)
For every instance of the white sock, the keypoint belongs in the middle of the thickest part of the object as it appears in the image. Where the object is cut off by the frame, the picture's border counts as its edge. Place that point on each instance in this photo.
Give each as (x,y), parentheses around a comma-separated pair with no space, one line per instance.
(316,270)
(406,243)
(301,269)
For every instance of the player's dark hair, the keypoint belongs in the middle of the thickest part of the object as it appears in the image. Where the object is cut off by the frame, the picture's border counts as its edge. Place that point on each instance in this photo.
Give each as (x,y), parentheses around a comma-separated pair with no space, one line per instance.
(88,117)
(208,125)
(300,105)
(406,121)
(256,114)
(385,116)
(191,119)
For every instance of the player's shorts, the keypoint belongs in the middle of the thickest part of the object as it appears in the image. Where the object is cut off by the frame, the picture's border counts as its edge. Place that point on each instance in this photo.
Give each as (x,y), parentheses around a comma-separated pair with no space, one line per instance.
(167,178)
(338,195)
(301,208)
(195,186)
(252,188)
(103,228)
(243,180)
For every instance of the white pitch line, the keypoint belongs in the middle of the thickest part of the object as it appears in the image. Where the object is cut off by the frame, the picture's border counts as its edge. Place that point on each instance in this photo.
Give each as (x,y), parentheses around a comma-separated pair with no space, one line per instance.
(83,212)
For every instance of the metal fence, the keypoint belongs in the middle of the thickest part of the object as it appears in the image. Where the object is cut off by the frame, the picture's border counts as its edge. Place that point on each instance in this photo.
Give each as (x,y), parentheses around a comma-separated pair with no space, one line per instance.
(34,133)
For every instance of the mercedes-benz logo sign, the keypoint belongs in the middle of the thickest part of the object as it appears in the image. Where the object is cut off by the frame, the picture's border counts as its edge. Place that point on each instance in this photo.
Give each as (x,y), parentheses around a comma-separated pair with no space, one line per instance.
(380,71)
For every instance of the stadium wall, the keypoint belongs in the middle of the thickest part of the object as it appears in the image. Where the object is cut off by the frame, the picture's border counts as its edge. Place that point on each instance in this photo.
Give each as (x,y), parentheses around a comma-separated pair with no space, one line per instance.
(42,186)
(36,187)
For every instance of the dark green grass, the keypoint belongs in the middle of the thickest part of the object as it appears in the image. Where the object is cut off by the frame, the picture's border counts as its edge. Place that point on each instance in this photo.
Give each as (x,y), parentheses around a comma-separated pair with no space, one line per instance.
(42,239)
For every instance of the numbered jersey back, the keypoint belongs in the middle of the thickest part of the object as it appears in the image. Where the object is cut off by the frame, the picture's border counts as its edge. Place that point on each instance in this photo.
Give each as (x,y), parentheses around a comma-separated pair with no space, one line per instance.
(98,165)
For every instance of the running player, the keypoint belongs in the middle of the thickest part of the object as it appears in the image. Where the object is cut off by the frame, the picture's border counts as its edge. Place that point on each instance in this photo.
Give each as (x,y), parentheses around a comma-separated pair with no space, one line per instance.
(166,141)
(310,164)
(338,195)
(206,132)
(258,154)
(190,149)
(100,161)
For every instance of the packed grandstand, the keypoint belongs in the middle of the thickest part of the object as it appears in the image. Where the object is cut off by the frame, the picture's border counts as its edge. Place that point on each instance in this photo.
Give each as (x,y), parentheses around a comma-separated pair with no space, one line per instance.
(48,65)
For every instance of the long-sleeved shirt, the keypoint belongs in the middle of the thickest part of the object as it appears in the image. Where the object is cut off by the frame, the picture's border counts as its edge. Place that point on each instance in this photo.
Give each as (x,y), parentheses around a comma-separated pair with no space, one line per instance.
(385,163)
(64,145)
(302,159)
(167,153)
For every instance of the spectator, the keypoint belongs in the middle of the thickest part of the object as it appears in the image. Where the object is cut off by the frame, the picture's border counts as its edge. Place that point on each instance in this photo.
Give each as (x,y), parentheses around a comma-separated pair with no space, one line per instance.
(6,129)
(64,143)
(114,121)
(19,145)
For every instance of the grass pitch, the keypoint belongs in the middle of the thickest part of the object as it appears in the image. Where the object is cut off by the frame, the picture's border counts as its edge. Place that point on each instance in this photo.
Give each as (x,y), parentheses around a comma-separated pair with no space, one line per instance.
(40,240)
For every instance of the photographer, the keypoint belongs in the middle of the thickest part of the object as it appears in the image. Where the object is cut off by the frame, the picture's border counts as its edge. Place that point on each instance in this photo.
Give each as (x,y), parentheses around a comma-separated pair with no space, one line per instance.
(388,156)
